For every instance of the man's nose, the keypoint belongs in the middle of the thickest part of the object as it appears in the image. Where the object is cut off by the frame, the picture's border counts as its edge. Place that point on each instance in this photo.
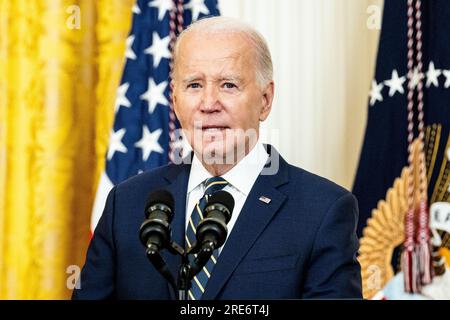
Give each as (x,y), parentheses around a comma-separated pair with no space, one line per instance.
(210,99)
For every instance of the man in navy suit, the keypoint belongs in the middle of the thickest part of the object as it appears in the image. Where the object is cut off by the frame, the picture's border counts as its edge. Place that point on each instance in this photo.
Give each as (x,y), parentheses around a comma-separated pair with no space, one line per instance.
(292,234)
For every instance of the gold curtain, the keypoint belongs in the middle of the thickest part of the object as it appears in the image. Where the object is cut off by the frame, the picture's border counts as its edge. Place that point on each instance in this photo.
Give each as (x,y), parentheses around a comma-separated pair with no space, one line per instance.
(60,66)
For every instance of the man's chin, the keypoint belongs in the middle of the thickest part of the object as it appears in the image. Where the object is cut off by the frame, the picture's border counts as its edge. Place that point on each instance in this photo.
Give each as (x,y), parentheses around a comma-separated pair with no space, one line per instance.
(214,154)
(226,152)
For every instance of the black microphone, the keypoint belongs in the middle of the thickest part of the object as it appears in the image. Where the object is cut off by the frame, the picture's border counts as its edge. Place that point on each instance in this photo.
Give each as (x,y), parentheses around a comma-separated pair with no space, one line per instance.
(155,231)
(212,230)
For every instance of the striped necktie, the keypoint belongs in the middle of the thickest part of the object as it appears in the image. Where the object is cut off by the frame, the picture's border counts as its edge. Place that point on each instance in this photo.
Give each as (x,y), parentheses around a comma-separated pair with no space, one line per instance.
(199,282)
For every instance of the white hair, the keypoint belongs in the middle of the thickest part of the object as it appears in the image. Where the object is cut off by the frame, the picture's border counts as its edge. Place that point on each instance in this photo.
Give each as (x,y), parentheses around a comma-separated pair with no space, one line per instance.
(264,70)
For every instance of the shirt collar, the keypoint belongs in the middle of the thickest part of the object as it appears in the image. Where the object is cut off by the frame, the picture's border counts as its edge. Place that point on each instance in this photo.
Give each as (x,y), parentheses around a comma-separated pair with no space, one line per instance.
(242,176)
(198,174)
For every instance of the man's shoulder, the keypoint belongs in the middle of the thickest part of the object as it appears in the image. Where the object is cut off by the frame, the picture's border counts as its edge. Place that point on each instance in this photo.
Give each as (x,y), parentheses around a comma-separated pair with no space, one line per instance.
(149,179)
(303,182)
(308,182)
(312,198)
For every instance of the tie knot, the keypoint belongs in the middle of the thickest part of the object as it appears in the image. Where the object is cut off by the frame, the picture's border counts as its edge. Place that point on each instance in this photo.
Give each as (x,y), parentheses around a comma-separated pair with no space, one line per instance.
(214,184)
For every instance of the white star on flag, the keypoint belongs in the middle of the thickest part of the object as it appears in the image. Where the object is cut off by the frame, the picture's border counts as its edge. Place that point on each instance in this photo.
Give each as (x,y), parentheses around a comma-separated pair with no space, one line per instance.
(163,7)
(121,99)
(375,92)
(130,53)
(197,7)
(136,9)
(395,84)
(447,78)
(432,75)
(155,95)
(159,49)
(115,143)
(149,142)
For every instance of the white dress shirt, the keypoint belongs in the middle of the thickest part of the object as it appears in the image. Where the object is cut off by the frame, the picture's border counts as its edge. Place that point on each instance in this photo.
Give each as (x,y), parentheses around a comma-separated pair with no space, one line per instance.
(240,178)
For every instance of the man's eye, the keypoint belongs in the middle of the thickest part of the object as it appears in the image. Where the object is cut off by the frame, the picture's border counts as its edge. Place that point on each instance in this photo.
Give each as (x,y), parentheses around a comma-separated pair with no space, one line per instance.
(194,85)
(229,85)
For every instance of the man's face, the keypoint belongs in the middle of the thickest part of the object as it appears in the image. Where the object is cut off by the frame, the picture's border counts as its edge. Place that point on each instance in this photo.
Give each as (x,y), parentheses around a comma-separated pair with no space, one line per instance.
(216,94)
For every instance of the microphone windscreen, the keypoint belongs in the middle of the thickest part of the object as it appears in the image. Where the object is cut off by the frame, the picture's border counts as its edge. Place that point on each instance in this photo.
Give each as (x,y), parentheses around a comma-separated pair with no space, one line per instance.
(223,198)
(160,196)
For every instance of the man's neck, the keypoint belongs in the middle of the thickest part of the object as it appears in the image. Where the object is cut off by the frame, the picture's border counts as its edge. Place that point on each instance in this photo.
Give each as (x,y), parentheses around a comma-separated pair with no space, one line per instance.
(218,169)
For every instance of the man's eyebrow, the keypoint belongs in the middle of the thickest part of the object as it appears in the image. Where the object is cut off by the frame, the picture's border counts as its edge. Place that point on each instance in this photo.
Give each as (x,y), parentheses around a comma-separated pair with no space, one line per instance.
(230,78)
(220,78)
(192,78)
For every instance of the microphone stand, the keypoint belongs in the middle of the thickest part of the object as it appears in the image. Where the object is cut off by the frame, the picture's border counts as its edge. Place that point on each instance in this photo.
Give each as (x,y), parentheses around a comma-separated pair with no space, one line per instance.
(160,264)
(184,281)
(189,270)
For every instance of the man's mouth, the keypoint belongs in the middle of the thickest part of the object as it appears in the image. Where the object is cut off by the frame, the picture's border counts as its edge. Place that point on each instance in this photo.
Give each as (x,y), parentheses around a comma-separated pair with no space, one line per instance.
(213,128)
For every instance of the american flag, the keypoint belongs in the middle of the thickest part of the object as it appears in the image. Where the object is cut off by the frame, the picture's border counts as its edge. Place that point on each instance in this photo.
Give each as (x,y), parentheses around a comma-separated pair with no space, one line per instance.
(408,62)
(140,137)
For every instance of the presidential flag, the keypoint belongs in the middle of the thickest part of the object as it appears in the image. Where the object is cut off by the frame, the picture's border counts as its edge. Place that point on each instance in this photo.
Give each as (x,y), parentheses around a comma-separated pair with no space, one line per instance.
(144,121)
(414,49)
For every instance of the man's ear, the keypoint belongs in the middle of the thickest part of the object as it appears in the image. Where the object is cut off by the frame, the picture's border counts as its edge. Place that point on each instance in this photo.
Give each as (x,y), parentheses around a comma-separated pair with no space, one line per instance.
(172,87)
(267,99)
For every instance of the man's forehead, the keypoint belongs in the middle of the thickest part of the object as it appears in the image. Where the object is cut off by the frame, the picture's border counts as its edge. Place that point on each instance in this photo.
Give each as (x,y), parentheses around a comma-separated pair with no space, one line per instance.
(222,55)
(217,45)
(215,51)
(219,68)
(205,58)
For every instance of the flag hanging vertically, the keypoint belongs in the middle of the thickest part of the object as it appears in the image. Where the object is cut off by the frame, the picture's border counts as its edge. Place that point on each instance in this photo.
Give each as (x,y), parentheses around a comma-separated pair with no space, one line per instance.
(412,74)
(144,120)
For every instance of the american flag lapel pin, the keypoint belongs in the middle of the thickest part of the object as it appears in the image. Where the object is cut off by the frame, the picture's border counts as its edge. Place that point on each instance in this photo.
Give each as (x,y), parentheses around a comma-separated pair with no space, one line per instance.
(265,199)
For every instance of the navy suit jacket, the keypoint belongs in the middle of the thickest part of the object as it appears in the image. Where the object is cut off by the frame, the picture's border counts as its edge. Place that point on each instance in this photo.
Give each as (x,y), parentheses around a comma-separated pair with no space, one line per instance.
(302,244)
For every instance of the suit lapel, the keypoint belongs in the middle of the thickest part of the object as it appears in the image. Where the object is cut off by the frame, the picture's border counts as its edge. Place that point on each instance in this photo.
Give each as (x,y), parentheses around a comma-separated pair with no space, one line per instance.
(253,218)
